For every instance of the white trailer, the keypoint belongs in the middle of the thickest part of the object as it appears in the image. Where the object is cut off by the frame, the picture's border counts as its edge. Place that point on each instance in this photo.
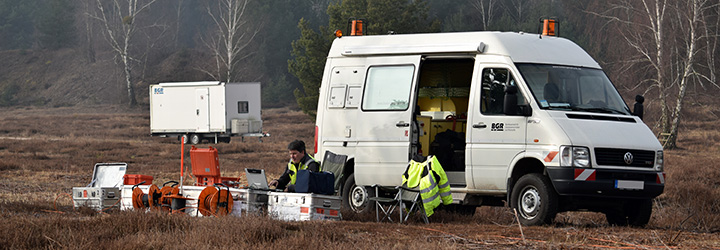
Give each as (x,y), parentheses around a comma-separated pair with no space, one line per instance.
(215,111)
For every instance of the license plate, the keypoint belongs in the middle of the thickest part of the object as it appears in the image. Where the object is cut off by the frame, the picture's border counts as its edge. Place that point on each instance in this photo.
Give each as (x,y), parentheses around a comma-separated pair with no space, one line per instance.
(631,185)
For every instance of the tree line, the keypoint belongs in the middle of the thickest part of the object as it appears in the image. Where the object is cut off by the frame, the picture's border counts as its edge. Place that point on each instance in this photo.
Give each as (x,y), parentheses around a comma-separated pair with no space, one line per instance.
(663,49)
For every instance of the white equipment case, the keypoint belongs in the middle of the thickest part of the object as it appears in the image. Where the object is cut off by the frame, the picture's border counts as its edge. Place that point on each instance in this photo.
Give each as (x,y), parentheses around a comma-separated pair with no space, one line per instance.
(103,192)
(303,207)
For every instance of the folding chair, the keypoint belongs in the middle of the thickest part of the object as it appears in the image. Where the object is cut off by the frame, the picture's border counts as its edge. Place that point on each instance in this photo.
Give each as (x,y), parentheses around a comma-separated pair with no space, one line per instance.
(406,200)
(410,197)
(383,203)
(336,164)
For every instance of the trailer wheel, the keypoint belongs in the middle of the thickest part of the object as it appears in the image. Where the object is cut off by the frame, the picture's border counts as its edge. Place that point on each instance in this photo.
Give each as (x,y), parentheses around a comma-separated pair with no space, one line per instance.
(634,213)
(184,138)
(355,197)
(195,139)
(535,200)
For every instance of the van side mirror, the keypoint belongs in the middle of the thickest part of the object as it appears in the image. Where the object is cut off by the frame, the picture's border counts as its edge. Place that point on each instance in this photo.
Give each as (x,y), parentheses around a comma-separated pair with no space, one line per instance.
(638,109)
(510,106)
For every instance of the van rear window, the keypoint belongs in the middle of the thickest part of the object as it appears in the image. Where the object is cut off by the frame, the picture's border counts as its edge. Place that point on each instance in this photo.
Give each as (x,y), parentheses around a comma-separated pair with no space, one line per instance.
(388,87)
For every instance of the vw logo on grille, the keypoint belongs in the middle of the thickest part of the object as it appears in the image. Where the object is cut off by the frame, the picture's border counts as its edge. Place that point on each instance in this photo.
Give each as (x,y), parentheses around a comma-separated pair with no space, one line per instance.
(628,158)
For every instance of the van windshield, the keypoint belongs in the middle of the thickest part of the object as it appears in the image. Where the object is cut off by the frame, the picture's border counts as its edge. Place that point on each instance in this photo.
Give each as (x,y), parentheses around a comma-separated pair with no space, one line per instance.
(572,88)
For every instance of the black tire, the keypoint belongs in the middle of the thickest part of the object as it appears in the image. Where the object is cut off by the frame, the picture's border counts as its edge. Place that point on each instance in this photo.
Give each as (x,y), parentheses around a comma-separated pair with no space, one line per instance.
(355,198)
(535,200)
(461,209)
(195,139)
(635,213)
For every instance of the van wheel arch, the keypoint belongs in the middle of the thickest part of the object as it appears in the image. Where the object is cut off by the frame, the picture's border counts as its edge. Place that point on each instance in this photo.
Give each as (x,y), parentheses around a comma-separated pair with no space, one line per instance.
(522,167)
(347,171)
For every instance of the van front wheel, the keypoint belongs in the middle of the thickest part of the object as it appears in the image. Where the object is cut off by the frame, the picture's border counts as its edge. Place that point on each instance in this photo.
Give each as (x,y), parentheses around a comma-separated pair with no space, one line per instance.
(355,197)
(534,199)
(635,213)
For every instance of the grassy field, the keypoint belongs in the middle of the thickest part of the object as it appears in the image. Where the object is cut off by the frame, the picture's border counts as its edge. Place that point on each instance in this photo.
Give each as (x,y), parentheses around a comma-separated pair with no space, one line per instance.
(44,152)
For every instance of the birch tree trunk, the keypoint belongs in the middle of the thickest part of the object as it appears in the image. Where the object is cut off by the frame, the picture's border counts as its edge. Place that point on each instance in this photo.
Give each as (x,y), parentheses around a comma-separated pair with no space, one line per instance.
(487,14)
(232,36)
(673,55)
(693,15)
(119,30)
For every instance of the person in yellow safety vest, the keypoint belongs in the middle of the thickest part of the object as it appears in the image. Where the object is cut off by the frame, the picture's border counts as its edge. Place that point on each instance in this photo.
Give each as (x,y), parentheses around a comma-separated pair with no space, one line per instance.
(299,160)
(424,176)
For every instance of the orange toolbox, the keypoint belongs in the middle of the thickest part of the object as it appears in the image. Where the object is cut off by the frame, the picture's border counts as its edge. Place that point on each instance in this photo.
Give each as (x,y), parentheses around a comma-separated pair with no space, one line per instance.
(134,179)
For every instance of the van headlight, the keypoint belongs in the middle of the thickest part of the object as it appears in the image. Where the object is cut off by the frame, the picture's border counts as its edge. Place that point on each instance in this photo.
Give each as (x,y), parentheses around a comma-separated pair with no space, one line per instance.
(578,157)
(659,161)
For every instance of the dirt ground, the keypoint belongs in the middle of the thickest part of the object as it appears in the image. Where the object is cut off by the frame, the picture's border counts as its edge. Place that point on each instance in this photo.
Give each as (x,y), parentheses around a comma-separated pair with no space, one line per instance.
(44,152)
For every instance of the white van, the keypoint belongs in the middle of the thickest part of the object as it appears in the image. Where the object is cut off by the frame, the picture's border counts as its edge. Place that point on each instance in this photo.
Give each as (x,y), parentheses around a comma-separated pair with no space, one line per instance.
(523,118)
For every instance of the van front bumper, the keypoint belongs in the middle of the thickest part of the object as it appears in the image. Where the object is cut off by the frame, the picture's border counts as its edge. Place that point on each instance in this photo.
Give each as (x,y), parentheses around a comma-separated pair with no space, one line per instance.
(609,183)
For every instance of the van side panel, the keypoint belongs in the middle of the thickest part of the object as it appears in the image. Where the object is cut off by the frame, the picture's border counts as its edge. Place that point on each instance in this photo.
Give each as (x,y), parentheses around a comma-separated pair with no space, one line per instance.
(383,125)
(339,106)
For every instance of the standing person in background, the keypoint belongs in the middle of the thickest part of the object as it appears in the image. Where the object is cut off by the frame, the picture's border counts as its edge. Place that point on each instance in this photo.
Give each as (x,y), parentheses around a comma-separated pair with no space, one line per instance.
(299,160)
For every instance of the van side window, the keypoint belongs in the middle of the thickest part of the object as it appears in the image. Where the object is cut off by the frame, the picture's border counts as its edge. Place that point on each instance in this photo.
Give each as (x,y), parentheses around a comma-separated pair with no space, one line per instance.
(388,87)
(494,81)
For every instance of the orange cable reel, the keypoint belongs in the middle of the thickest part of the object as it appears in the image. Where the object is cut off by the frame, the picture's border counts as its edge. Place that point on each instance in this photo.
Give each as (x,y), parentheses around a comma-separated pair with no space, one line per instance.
(141,200)
(166,195)
(214,201)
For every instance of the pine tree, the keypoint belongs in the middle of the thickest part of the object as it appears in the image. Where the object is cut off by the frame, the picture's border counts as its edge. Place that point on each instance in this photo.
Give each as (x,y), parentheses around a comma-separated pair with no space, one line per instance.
(56,24)
(383,16)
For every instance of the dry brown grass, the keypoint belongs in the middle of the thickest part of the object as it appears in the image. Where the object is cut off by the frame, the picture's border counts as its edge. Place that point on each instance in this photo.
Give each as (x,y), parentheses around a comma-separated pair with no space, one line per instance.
(46,152)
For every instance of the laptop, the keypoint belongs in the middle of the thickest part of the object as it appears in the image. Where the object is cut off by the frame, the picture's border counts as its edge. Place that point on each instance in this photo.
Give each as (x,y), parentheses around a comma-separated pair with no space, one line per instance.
(256,179)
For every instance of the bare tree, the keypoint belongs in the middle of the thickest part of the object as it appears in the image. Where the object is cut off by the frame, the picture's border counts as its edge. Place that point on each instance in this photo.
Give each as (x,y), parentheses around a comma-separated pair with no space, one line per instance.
(692,20)
(487,11)
(516,9)
(667,47)
(233,35)
(120,25)
(89,33)
(178,14)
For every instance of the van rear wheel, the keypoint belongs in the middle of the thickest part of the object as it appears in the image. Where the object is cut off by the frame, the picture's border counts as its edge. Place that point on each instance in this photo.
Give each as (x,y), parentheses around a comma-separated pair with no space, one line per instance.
(355,197)
(535,200)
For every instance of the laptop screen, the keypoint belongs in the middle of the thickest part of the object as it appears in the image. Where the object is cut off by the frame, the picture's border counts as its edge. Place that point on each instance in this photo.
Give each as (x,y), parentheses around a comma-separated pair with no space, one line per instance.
(256,178)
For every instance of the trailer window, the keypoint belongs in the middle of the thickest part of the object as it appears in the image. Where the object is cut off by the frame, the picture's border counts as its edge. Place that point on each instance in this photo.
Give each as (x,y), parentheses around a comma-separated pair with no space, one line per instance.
(243,107)
(388,88)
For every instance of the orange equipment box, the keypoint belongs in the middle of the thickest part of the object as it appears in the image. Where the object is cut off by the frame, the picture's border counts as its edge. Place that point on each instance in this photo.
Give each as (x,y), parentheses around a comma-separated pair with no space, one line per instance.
(206,167)
(134,179)
(205,162)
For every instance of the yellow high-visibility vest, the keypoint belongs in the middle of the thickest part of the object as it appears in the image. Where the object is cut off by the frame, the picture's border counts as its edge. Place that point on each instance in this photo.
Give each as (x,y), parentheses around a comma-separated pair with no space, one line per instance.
(424,176)
(301,166)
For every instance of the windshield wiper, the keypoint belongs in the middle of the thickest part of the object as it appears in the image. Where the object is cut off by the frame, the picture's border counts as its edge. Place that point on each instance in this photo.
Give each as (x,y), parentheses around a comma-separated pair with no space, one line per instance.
(601,110)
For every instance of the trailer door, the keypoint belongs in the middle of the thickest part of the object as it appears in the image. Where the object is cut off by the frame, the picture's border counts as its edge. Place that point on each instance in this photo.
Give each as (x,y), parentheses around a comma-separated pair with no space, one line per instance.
(202,108)
(384,121)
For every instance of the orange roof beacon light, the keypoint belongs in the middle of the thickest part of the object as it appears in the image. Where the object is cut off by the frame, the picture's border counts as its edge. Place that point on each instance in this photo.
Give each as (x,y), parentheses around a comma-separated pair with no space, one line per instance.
(550,27)
(355,26)
(338,33)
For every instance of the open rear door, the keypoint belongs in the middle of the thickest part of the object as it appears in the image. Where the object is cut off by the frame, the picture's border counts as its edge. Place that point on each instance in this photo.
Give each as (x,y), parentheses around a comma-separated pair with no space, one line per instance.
(384,122)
